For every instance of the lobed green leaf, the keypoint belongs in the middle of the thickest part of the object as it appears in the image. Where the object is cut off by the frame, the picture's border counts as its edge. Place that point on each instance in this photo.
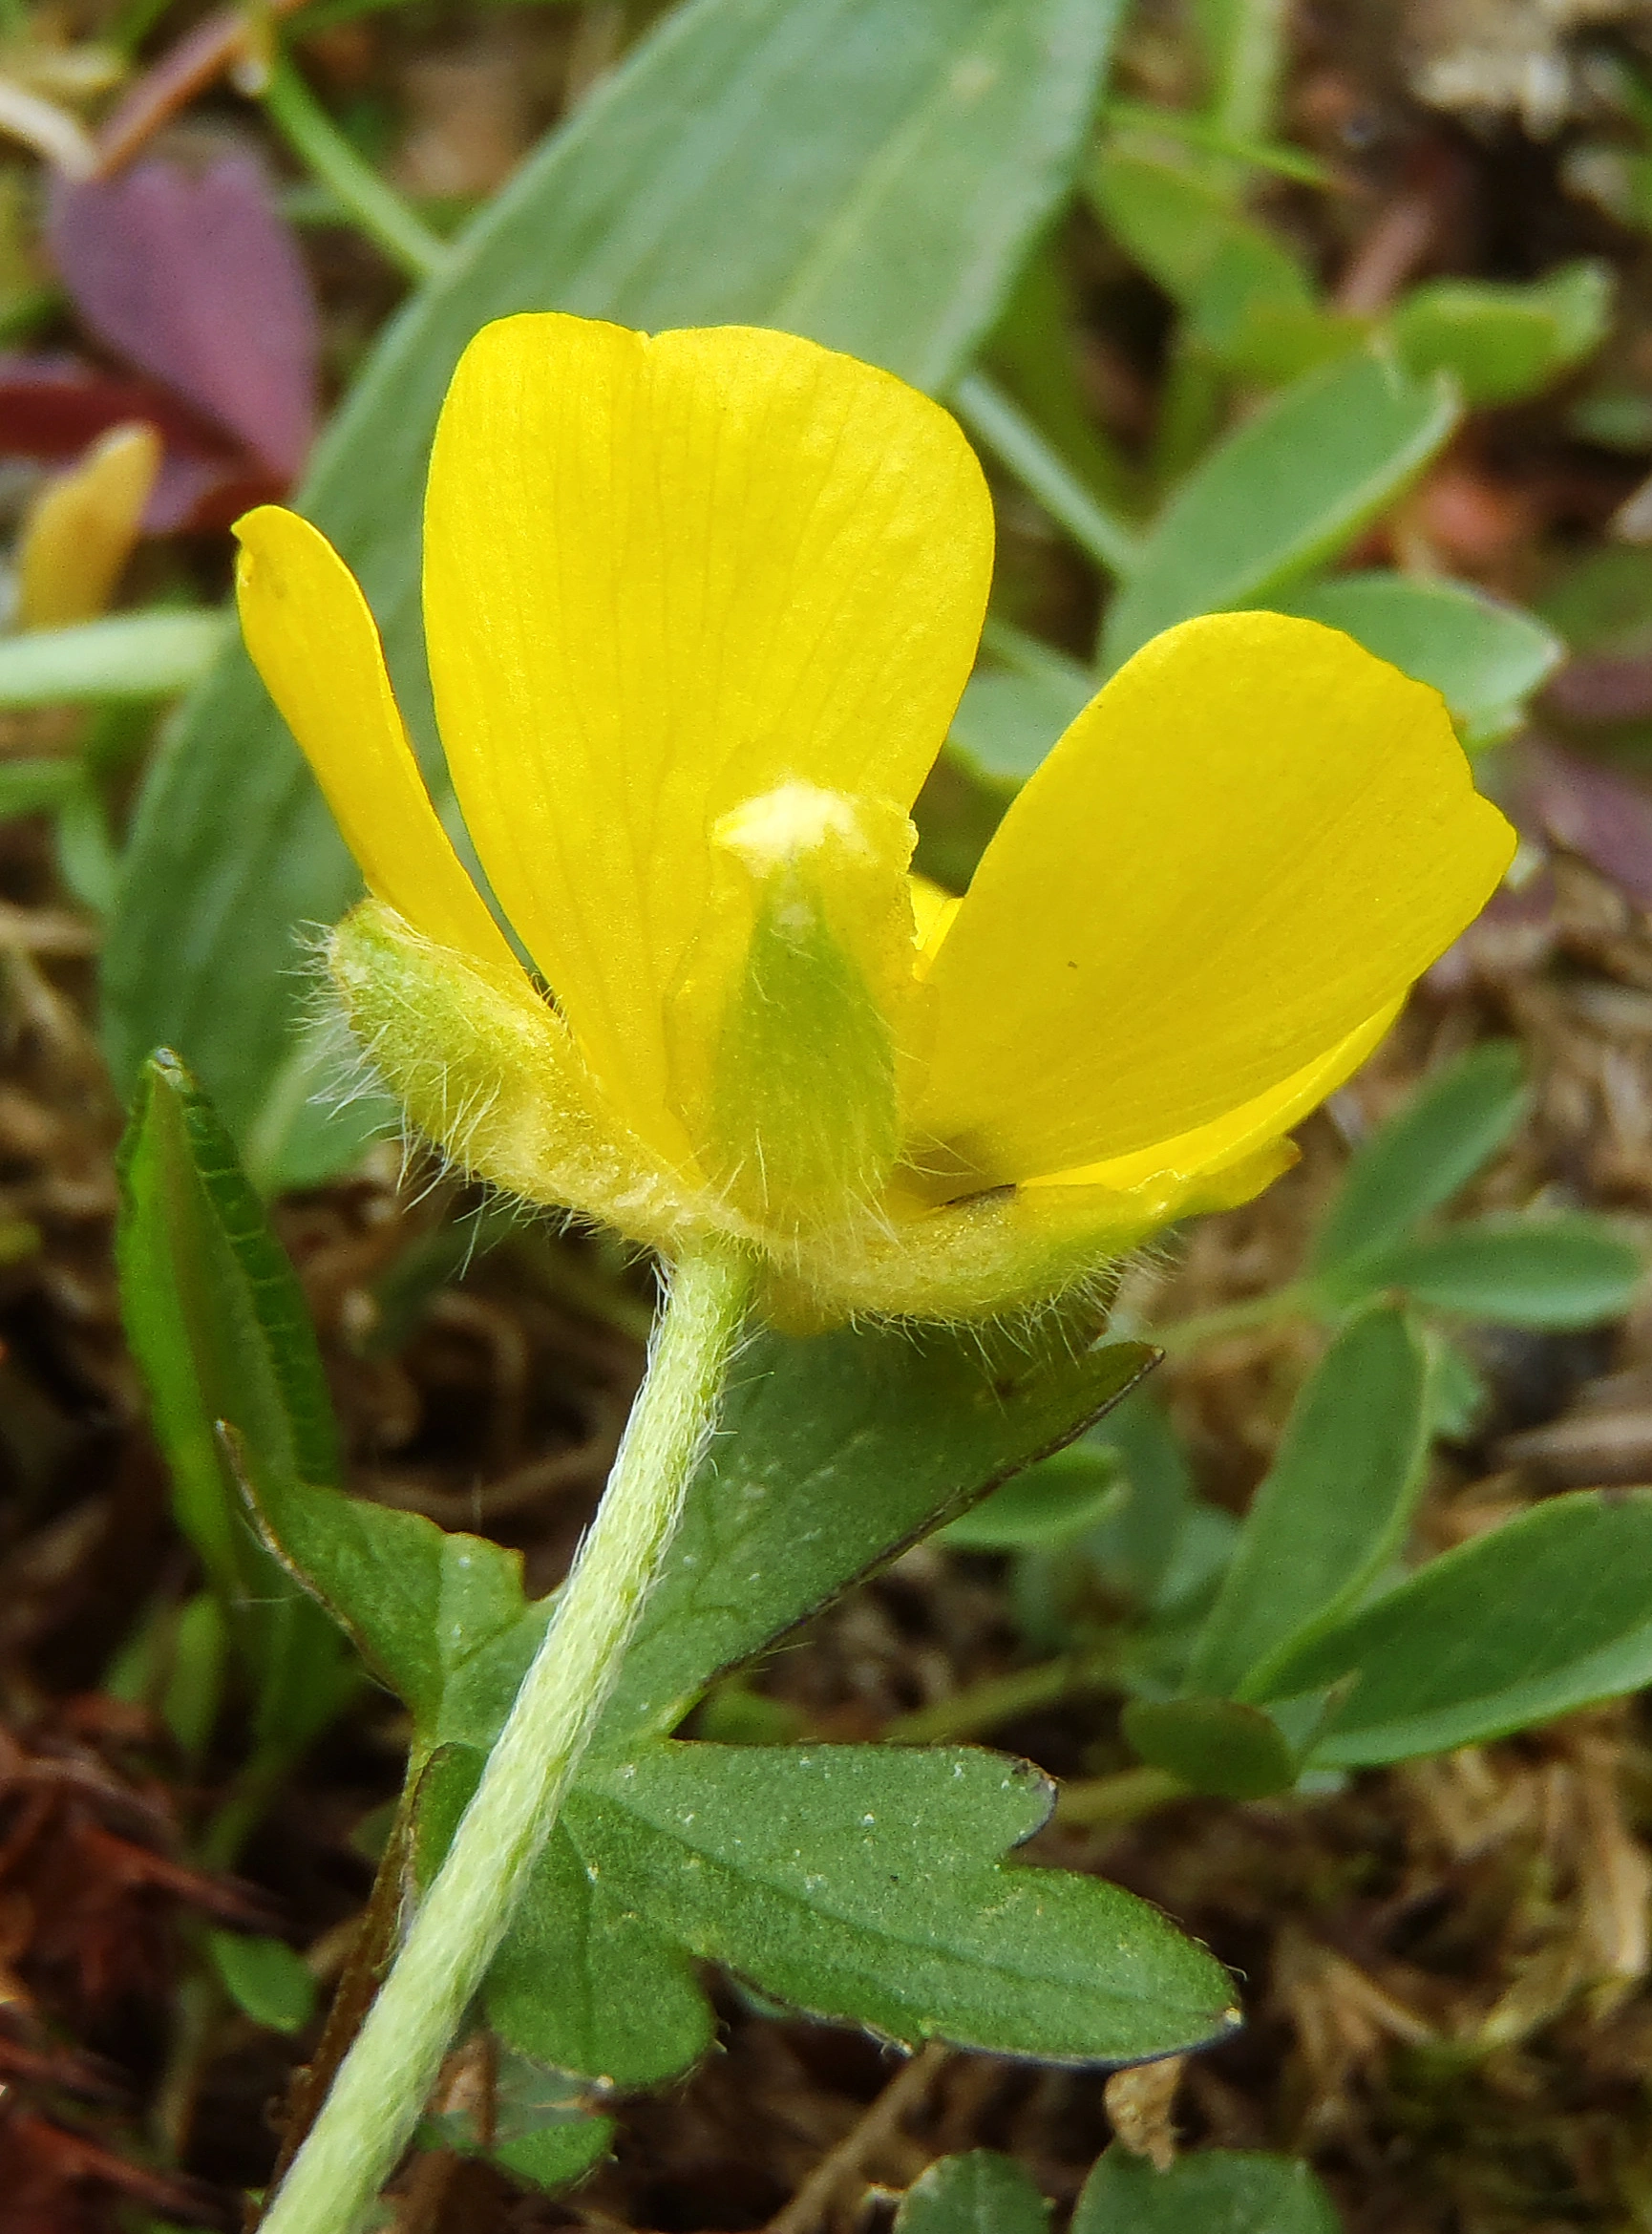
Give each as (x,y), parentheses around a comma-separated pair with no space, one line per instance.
(857,1883)
(1501,341)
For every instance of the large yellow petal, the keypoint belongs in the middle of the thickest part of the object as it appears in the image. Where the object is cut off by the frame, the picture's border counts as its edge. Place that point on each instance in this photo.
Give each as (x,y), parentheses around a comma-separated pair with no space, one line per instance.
(662,577)
(1237,1135)
(1254,837)
(314,642)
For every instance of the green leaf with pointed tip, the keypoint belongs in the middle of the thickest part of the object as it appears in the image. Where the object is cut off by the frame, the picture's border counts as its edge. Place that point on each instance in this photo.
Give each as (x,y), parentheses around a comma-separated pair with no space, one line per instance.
(860,1884)
(1332,1508)
(219,1325)
(1425,1153)
(866,172)
(1501,341)
(1218,1746)
(834,1454)
(1219,2191)
(438,1617)
(130,655)
(554,2156)
(979,2193)
(1510,1272)
(1545,1614)
(1483,656)
(1289,487)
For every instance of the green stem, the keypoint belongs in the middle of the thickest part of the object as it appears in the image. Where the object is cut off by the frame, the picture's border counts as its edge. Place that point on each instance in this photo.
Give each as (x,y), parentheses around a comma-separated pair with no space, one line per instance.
(368,2117)
(1246,39)
(1301,1300)
(248,1801)
(318,142)
(1000,1698)
(1109,1802)
(1000,424)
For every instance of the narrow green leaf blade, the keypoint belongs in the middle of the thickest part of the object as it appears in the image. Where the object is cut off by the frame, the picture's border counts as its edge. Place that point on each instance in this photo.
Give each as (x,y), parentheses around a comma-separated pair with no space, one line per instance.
(1483,656)
(1501,341)
(1219,2191)
(1005,723)
(860,1882)
(1550,1612)
(834,1454)
(1425,1153)
(1048,1504)
(130,655)
(1248,300)
(1213,1745)
(218,1323)
(1284,490)
(867,172)
(34,787)
(1543,1272)
(1332,1507)
(978,2193)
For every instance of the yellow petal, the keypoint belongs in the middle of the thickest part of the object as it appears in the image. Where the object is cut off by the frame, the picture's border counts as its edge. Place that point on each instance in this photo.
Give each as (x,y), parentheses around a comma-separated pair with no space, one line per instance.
(664,577)
(1255,837)
(933,909)
(315,644)
(80,531)
(1230,1140)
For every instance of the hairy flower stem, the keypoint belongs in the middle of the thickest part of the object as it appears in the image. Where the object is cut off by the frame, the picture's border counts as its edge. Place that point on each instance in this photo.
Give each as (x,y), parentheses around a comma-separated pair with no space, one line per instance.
(383,2082)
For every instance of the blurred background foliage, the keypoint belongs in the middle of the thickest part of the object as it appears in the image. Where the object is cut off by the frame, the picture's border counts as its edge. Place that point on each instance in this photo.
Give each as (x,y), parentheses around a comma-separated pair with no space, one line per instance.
(1343,308)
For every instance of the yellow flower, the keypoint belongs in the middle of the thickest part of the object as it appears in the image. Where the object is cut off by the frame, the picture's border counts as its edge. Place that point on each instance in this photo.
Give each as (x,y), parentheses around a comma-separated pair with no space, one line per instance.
(698,609)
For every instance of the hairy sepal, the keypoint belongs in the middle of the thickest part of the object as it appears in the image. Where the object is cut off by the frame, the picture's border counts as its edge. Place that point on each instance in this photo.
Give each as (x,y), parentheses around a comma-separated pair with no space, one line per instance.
(487,1070)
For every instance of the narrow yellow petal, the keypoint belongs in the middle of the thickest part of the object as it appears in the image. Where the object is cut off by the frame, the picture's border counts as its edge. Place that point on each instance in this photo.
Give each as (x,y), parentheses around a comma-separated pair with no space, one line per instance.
(664,576)
(1254,837)
(80,531)
(315,644)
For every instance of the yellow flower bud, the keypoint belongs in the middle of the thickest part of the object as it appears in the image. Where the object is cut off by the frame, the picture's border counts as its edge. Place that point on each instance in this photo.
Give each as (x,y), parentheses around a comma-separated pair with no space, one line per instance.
(81,529)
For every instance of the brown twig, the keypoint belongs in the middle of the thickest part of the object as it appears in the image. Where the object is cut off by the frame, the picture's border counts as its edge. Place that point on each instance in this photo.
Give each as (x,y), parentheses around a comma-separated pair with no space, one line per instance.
(199,59)
(903,2093)
(1385,258)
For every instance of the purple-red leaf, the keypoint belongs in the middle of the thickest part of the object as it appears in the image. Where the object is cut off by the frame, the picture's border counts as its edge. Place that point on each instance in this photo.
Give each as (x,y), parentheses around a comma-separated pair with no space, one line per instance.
(1592,809)
(189,271)
(54,408)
